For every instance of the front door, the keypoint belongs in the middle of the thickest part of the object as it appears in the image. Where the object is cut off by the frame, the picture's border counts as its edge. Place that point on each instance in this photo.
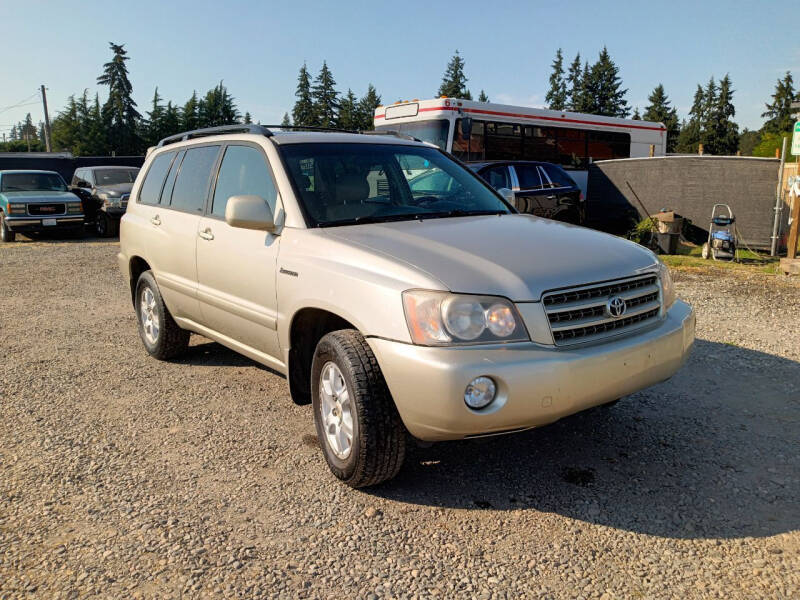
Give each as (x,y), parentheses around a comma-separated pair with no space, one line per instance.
(236,267)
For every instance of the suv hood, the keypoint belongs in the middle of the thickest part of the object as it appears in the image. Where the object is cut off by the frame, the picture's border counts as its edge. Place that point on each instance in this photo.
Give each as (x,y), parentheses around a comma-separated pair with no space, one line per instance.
(122,188)
(40,196)
(516,256)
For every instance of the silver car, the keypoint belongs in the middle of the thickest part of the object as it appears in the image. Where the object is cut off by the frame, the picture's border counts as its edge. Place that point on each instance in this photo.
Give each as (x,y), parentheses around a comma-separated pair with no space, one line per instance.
(395,304)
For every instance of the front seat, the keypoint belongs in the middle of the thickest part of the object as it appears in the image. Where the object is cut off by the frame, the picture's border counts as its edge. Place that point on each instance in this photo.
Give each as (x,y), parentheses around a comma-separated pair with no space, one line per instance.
(351,188)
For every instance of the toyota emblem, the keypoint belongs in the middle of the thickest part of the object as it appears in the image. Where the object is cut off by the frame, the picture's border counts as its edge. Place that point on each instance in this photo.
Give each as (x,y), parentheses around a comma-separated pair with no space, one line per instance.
(616,307)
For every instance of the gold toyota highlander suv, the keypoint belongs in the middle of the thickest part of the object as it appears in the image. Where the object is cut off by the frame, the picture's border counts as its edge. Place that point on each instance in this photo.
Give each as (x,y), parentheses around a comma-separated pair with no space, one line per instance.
(397,292)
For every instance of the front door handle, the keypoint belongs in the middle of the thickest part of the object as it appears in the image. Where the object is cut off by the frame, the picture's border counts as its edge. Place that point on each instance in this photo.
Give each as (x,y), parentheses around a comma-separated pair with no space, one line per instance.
(206,234)
(156,220)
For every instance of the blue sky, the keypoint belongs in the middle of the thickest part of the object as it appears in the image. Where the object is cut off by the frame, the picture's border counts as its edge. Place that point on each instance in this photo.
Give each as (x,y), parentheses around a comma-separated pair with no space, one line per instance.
(401,46)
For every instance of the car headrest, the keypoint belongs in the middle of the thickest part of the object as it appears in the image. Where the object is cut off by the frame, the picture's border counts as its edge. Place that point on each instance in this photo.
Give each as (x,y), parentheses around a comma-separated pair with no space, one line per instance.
(351,188)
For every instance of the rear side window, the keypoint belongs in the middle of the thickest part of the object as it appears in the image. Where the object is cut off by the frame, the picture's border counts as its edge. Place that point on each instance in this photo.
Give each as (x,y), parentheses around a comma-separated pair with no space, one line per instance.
(150,192)
(529,178)
(497,177)
(243,172)
(558,176)
(191,186)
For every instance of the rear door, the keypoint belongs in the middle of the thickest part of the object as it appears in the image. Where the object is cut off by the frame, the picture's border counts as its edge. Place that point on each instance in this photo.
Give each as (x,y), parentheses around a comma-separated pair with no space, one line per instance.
(236,267)
(174,222)
(566,192)
(534,196)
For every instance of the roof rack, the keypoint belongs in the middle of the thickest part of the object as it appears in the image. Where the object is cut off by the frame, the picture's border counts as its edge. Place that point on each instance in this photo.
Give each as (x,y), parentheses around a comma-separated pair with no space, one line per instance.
(223,129)
(266,131)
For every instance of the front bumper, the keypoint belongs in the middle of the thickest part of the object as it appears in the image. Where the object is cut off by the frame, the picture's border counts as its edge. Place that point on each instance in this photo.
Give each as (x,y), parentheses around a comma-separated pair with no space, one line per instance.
(22,224)
(536,384)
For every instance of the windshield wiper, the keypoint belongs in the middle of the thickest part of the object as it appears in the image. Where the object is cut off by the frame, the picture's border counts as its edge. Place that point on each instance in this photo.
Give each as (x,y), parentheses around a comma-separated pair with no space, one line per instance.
(458,212)
(412,217)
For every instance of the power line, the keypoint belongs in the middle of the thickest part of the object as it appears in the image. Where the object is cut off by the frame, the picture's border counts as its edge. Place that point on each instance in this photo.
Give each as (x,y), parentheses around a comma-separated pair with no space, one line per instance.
(21,102)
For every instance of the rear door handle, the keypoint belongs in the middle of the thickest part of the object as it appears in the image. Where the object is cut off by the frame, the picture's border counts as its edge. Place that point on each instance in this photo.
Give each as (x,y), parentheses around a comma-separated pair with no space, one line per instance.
(206,234)
(156,220)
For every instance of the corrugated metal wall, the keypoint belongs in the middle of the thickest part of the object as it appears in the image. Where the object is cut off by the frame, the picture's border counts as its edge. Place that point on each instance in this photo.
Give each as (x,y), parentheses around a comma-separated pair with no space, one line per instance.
(689,185)
(65,165)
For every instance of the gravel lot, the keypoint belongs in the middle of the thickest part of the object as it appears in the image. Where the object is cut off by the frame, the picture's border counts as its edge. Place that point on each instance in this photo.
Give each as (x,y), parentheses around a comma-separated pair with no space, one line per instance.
(121,476)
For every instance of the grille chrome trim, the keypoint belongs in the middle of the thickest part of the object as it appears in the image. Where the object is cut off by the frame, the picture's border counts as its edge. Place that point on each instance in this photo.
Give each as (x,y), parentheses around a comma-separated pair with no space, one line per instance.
(578,315)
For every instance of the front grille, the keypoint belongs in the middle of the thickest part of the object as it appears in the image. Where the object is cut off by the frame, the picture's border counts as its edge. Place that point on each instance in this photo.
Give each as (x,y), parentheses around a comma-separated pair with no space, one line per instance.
(47,210)
(580,314)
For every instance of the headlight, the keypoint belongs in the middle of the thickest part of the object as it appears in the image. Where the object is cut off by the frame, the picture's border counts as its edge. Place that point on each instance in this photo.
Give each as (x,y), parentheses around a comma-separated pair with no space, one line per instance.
(74,208)
(442,319)
(667,287)
(16,208)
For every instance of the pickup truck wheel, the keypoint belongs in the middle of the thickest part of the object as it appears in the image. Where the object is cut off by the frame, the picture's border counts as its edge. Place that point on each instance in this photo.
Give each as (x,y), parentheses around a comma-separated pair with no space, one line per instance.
(161,336)
(358,426)
(102,224)
(6,235)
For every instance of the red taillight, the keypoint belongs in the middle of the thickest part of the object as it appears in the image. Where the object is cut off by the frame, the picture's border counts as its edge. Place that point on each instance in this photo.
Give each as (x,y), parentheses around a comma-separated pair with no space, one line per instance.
(580,197)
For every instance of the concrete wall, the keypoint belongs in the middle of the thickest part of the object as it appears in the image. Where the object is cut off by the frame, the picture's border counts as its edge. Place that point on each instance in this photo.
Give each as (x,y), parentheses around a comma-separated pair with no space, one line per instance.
(689,185)
(63,163)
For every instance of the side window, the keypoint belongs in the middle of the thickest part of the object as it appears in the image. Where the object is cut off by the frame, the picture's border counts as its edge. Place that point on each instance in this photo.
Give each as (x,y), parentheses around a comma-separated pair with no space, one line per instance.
(243,172)
(166,193)
(75,177)
(497,177)
(191,185)
(558,176)
(529,178)
(150,192)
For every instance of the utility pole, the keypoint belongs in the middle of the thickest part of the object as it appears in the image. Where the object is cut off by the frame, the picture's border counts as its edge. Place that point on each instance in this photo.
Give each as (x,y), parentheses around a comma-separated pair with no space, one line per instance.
(47,135)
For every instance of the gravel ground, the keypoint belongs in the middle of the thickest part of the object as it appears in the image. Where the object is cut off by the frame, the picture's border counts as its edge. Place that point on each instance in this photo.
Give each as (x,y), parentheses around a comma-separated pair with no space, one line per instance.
(121,476)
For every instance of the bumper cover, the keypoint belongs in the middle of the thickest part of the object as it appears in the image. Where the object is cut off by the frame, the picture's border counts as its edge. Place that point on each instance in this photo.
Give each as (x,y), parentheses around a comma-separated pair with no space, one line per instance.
(536,385)
(28,223)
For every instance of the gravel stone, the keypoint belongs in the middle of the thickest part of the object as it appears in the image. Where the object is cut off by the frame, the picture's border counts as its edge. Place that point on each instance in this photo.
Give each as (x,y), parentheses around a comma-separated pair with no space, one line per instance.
(125,477)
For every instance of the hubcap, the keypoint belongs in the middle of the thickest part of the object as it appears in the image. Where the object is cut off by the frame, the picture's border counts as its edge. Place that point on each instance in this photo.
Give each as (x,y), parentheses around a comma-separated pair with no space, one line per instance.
(336,410)
(150,323)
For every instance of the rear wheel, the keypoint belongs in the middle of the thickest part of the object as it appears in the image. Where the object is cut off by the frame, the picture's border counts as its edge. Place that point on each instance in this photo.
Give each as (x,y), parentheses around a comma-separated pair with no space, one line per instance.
(102,224)
(6,235)
(161,336)
(358,426)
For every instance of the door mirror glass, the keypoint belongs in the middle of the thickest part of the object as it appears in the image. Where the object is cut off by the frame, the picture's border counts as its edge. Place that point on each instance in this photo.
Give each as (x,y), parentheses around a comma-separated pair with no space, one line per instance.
(507,194)
(249,212)
(466,127)
(83,184)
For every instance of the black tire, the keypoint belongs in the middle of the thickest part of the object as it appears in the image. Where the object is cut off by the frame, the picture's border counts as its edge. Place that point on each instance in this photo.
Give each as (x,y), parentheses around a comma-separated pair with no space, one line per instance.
(379,437)
(102,224)
(6,235)
(170,340)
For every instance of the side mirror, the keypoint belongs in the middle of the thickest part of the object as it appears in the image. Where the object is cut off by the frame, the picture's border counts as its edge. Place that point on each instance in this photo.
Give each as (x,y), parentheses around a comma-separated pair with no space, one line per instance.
(83,184)
(466,127)
(249,212)
(507,194)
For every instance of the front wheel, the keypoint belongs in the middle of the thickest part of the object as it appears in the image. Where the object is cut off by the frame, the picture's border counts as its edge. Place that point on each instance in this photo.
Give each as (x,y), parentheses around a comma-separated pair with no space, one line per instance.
(161,336)
(6,235)
(358,426)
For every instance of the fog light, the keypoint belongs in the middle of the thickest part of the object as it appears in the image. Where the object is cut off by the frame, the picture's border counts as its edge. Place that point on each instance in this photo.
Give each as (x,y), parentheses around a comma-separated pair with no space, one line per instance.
(480,392)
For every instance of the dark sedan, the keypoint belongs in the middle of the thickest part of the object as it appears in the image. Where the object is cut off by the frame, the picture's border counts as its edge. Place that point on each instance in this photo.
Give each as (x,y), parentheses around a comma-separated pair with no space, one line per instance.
(537,188)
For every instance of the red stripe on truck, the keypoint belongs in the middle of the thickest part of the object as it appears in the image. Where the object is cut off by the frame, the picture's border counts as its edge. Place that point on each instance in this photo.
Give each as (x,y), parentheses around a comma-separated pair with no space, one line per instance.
(541,118)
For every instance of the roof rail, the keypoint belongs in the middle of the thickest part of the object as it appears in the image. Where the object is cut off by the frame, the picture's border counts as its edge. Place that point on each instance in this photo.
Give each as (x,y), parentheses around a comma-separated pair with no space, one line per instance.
(223,129)
(393,133)
(311,128)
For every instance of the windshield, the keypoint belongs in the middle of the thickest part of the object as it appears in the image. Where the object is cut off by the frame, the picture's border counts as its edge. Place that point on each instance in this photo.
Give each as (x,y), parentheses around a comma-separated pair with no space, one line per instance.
(33,182)
(343,184)
(115,176)
(434,132)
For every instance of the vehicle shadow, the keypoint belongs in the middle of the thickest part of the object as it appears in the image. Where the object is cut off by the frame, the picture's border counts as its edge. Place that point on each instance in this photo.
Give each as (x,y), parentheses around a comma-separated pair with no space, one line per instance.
(212,354)
(713,452)
(63,237)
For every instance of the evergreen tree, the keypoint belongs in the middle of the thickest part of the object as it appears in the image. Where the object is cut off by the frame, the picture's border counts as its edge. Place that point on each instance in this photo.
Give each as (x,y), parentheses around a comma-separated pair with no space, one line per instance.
(748,140)
(557,94)
(217,108)
(604,93)
(326,98)
(636,116)
(483,97)
(247,118)
(65,128)
(154,126)
(779,111)
(303,111)
(348,112)
(726,131)
(13,134)
(454,81)
(708,118)
(660,111)
(366,109)
(286,121)
(171,123)
(574,84)
(689,138)
(95,130)
(120,109)
(189,114)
